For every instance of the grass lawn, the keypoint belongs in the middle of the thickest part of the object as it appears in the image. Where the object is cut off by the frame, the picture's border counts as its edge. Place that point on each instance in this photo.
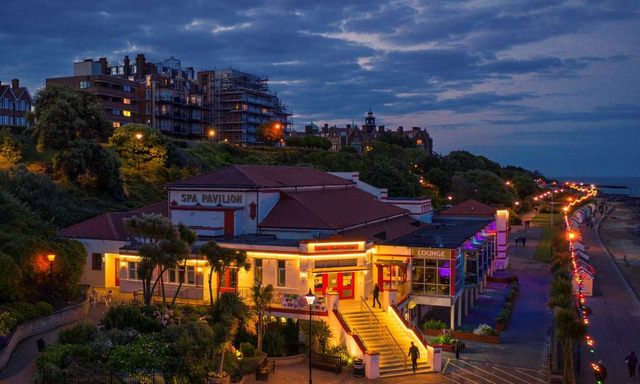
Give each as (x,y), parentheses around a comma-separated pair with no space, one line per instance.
(543,253)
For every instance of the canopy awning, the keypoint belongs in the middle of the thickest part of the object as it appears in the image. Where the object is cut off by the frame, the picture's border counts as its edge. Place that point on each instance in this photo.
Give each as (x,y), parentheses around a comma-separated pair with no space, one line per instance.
(390,262)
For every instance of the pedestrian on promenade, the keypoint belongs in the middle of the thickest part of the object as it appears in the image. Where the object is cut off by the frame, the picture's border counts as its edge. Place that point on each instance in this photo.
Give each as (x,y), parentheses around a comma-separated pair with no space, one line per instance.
(517,241)
(600,373)
(376,294)
(631,361)
(524,241)
(414,353)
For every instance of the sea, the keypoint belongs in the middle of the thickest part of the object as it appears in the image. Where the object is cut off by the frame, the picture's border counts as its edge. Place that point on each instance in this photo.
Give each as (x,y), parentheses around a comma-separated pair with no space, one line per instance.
(629,186)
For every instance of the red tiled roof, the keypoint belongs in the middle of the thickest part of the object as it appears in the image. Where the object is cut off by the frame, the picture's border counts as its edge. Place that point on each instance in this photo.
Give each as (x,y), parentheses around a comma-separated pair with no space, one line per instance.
(261,176)
(469,208)
(386,231)
(331,209)
(110,226)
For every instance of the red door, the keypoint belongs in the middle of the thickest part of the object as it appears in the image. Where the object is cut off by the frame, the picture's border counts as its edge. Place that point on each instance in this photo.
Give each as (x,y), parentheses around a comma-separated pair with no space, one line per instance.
(229,223)
(228,281)
(117,270)
(342,283)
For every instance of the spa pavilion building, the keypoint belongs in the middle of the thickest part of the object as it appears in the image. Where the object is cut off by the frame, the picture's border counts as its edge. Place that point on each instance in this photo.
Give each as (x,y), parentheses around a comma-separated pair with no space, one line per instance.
(304,229)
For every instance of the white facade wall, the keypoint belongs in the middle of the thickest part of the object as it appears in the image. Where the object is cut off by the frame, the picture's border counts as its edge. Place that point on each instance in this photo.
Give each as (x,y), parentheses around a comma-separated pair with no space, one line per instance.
(107,248)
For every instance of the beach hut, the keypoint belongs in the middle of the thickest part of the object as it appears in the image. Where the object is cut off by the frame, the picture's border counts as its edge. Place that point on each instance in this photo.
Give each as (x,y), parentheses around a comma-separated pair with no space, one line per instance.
(578,245)
(582,255)
(585,274)
(579,216)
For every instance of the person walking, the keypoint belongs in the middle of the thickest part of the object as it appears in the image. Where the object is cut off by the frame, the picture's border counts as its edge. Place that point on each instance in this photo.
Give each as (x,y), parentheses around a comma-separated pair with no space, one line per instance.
(376,294)
(414,353)
(524,241)
(600,373)
(632,361)
(517,241)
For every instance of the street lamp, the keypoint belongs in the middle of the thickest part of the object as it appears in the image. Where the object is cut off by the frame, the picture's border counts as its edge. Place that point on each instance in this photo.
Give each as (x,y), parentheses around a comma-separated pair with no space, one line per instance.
(51,258)
(139,138)
(310,299)
(212,133)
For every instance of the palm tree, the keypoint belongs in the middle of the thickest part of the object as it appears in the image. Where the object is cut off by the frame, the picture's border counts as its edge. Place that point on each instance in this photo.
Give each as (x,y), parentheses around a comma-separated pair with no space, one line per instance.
(569,330)
(320,330)
(188,237)
(232,315)
(152,232)
(221,260)
(261,298)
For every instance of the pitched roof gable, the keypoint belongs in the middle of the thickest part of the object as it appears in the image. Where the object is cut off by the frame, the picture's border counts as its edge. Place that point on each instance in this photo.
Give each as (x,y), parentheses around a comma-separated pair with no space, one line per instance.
(332,209)
(110,226)
(261,176)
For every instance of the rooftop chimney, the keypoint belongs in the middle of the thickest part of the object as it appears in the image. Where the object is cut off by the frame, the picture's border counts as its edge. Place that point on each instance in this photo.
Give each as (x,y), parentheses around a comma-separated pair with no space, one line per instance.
(400,129)
(15,83)
(103,66)
(127,66)
(140,64)
(381,128)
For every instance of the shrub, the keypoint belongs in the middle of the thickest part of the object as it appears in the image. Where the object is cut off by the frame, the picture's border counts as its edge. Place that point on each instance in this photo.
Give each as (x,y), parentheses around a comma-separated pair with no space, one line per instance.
(144,353)
(247,349)
(10,147)
(343,352)
(486,330)
(7,324)
(274,344)
(446,338)
(80,333)
(130,316)
(503,316)
(44,308)
(22,311)
(63,355)
(434,324)
(510,296)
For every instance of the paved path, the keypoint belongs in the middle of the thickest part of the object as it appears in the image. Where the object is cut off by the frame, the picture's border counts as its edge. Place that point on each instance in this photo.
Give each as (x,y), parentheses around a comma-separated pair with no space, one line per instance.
(22,366)
(615,322)
(525,343)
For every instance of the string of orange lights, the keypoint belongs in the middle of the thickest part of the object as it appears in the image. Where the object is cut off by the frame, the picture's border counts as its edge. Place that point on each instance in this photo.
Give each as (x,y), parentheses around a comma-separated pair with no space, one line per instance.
(581,301)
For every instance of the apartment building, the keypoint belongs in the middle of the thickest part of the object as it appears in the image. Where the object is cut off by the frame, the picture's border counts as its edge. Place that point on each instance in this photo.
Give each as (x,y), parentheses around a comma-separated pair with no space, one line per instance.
(239,102)
(162,94)
(15,102)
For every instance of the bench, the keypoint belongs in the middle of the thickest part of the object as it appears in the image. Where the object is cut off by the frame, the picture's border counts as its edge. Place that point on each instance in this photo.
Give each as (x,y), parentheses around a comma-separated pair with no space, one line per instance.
(264,368)
(327,362)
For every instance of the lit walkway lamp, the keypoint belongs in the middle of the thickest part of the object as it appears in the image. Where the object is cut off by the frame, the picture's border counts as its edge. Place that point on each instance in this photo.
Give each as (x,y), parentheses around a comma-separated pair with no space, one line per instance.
(139,138)
(311,298)
(51,258)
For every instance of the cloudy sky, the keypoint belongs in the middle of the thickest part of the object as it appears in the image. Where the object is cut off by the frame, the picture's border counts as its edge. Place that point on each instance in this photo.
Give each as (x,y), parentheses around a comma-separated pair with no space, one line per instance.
(548,84)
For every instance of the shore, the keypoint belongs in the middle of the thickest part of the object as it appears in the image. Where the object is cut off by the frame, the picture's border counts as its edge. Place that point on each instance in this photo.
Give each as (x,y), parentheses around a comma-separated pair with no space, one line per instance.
(619,233)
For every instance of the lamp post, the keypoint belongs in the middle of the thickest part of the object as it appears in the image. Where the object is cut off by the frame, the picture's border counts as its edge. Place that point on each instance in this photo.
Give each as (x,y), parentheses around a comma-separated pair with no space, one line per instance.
(138,137)
(51,258)
(552,193)
(212,133)
(310,300)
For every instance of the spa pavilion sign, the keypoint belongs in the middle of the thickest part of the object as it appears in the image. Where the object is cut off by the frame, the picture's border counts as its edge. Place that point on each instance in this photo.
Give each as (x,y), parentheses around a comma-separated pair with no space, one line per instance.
(211,198)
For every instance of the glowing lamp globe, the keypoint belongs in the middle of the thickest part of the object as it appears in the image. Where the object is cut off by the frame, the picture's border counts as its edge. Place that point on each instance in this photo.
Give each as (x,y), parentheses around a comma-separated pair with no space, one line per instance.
(310,297)
(138,135)
(51,257)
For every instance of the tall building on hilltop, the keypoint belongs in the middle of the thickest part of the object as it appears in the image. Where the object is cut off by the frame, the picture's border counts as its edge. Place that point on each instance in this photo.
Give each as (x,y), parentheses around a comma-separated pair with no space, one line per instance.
(239,102)
(353,136)
(227,105)
(15,102)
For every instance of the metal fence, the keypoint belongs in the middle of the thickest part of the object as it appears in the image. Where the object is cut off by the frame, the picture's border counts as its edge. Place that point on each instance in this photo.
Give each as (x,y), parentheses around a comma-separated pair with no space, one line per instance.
(99,377)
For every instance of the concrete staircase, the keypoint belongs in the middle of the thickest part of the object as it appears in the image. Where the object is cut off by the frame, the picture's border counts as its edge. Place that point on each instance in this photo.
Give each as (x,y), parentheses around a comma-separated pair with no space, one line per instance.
(372,333)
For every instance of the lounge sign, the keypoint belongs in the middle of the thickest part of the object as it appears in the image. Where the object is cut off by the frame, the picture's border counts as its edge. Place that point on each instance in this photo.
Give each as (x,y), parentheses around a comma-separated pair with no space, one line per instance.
(430,253)
(211,198)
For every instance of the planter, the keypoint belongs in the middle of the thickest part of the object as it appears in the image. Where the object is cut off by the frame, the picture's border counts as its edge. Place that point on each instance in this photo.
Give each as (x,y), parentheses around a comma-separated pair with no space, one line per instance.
(219,380)
(444,347)
(473,337)
(432,332)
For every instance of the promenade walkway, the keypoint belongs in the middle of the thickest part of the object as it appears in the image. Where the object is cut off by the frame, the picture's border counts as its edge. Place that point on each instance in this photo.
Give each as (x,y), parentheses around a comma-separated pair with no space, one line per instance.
(615,322)
(22,366)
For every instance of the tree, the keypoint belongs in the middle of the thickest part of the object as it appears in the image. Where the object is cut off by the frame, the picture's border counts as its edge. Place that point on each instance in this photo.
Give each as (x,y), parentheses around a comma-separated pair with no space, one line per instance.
(10,147)
(63,116)
(440,179)
(524,185)
(570,330)
(382,174)
(317,142)
(295,141)
(221,260)
(320,330)
(150,150)
(261,298)
(157,235)
(270,133)
(231,315)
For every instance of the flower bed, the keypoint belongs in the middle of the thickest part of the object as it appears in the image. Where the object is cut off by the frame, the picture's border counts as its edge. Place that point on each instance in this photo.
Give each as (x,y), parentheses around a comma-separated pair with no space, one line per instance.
(509,305)
(469,336)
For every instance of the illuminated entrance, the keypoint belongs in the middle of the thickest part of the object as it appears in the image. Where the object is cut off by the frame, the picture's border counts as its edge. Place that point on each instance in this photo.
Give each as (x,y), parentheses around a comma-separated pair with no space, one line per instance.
(391,274)
(340,282)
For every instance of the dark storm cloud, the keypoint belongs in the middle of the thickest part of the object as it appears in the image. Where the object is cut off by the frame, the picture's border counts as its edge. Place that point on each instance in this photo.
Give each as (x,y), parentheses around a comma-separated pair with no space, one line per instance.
(331,60)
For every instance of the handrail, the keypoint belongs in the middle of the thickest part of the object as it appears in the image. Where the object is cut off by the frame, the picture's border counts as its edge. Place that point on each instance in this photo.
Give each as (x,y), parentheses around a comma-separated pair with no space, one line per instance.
(361,339)
(383,331)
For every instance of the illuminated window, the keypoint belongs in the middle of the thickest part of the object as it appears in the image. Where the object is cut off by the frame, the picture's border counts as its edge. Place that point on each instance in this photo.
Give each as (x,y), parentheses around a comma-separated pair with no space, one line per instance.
(96,261)
(281,273)
(132,270)
(126,113)
(116,124)
(191,275)
(126,101)
(257,270)
(172,275)
(419,141)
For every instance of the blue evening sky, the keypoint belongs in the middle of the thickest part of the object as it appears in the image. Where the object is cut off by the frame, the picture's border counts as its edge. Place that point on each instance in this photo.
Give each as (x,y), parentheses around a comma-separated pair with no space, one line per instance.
(547,84)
